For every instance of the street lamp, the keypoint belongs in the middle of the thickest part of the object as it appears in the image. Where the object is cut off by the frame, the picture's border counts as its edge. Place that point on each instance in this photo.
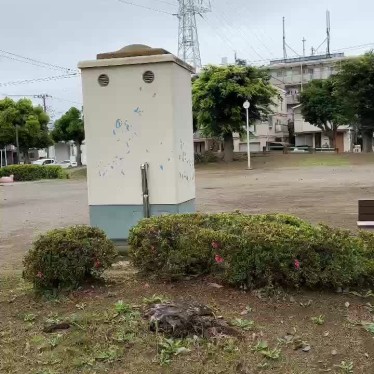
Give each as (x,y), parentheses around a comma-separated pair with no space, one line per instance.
(246,106)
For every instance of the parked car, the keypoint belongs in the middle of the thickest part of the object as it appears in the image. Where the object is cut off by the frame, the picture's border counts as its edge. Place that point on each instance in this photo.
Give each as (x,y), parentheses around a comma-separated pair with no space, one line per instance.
(300,150)
(277,146)
(44,162)
(67,164)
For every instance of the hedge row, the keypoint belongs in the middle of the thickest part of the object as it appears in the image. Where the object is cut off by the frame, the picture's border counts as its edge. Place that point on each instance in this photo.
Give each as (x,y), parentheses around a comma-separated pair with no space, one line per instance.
(254,251)
(33,172)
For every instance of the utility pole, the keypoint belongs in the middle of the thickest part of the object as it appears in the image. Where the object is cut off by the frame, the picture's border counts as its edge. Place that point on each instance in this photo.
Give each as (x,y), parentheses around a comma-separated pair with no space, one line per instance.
(17,145)
(284,39)
(304,40)
(44,98)
(328,32)
(312,51)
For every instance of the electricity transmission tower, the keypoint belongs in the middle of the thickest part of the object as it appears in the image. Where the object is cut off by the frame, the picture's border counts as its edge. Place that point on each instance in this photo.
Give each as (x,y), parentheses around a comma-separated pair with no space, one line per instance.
(188,41)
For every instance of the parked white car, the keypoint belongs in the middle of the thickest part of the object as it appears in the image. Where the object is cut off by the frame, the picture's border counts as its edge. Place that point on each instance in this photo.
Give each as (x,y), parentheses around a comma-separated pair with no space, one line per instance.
(66,164)
(45,162)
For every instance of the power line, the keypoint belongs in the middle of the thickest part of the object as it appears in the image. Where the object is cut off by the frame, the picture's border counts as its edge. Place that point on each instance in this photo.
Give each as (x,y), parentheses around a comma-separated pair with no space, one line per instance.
(222,20)
(293,50)
(145,7)
(221,36)
(46,79)
(166,2)
(66,100)
(26,62)
(355,47)
(33,61)
(244,29)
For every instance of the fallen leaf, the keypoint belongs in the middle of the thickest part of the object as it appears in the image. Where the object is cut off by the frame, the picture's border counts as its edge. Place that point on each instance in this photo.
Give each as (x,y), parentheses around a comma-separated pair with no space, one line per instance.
(347,304)
(292,299)
(307,348)
(366,355)
(334,352)
(326,333)
(215,285)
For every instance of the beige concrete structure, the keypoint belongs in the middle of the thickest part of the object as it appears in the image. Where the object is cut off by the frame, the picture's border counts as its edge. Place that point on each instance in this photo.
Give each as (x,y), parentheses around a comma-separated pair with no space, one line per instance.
(138,109)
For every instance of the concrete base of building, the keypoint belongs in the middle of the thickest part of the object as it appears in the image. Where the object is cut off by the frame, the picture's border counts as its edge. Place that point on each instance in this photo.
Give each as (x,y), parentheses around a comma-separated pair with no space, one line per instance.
(117,220)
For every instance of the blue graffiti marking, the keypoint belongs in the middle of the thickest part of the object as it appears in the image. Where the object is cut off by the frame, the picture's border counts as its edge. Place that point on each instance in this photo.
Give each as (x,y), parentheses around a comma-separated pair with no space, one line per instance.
(114,132)
(118,123)
(162,167)
(138,111)
(127,126)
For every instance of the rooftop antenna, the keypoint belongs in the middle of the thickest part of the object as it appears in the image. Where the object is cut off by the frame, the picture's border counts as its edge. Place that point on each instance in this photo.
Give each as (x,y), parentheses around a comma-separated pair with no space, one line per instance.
(284,39)
(328,30)
(304,40)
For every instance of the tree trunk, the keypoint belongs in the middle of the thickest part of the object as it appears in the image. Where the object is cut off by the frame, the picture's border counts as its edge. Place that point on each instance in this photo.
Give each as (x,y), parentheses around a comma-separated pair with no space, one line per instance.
(26,157)
(367,141)
(332,138)
(79,154)
(228,152)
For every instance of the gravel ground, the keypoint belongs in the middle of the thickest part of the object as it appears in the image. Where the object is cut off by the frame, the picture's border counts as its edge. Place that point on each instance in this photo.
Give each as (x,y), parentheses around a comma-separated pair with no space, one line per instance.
(326,194)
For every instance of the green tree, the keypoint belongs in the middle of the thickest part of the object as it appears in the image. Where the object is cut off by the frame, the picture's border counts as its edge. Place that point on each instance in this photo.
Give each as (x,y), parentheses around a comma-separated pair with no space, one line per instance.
(355,87)
(70,127)
(322,107)
(31,123)
(218,97)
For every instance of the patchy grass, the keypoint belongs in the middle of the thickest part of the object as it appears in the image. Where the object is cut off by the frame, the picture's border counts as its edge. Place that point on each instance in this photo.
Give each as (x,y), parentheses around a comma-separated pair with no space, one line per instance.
(107,333)
(77,173)
(324,160)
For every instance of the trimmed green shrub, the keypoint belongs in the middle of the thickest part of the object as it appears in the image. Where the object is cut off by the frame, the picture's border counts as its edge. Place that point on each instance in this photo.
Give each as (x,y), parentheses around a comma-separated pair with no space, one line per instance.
(66,258)
(254,251)
(206,157)
(33,172)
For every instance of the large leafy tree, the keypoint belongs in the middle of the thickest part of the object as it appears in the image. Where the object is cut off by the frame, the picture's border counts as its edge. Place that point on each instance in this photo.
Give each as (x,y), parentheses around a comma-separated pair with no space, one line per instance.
(323,107)
(355,87)
(30,122)
(70,127)
(218,96)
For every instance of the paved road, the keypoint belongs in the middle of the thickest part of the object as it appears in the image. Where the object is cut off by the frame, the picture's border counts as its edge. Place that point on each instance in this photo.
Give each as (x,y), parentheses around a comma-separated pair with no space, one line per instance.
(320,194)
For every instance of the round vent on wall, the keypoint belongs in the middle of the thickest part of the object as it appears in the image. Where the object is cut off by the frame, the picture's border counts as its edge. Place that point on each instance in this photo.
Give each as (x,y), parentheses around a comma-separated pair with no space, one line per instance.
(148,76)
(103,80)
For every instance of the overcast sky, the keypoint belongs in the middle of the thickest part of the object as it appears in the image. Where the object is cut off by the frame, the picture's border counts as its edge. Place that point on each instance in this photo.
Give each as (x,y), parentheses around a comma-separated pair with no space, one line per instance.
(67,31)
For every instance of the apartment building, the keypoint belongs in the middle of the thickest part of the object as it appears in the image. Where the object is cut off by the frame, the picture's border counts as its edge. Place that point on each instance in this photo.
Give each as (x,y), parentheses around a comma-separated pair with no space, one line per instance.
(273,129)
(292,75)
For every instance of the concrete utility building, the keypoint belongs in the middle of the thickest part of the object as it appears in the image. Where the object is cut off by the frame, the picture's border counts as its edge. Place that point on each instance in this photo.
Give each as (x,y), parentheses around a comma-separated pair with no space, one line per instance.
(139,137)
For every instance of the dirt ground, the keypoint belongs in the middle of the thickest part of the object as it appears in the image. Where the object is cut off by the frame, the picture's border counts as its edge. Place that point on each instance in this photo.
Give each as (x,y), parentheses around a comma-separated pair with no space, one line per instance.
(333,328)
(320,188)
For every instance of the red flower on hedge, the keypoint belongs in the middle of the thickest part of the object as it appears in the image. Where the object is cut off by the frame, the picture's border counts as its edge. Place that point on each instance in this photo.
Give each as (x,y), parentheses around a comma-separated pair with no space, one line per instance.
(218,259)
(39,275)
(97,264)
(215,245)
(297,264)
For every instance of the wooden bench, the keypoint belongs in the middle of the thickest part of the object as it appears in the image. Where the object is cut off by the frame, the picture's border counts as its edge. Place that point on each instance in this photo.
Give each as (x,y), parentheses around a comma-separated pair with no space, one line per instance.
(366,214)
